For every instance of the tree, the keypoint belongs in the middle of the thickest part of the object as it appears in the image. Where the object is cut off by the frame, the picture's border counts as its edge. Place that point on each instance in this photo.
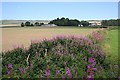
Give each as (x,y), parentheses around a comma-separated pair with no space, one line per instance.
(22,24)
(104,23)
(27,23)
(118,21)
(31,24)
(57,18)
(84,23)
(37,24)
(111,22)
(41,24)
(65,22)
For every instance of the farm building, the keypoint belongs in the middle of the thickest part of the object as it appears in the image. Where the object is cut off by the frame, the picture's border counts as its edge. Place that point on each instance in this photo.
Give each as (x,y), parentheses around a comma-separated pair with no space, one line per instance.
(95,22)
(49,25)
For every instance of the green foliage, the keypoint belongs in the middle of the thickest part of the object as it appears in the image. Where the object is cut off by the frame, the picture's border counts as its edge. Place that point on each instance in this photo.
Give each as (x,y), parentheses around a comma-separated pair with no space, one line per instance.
(31,24)
(111,22)
(22,24)
(65,22)
(41,24)
(27,23)
(84,23)
(36,24)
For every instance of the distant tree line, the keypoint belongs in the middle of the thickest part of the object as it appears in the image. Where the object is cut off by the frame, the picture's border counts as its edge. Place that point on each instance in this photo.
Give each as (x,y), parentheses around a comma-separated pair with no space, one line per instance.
(111,22)
(31,24)
(68,22)
(59,22)
(73,22)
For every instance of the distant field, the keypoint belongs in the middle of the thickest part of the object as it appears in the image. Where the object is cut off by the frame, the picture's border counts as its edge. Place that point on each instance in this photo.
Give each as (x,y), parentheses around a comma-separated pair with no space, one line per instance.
(9,25)
(12,37)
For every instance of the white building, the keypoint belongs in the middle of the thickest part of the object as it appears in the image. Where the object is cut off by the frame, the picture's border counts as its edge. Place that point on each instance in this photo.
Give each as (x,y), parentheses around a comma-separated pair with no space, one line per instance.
(95,22)
(49,25)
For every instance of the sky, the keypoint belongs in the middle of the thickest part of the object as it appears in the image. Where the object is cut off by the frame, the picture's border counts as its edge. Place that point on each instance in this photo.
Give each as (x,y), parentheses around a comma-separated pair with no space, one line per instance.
(53,10)
(60,0)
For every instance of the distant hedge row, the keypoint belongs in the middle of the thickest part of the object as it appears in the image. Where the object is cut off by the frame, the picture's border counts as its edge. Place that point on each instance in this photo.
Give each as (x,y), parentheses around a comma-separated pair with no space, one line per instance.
(112,22)
(74,22)
(31,24)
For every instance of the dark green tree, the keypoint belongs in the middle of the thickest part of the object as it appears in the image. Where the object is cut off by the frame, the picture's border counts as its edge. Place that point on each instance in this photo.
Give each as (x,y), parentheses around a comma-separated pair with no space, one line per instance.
(118,21)
(31,24)
(111,22)
(22,24)
(27,23)
(84,23)
(41,24)
(36,24)
(104,23)
(65,22)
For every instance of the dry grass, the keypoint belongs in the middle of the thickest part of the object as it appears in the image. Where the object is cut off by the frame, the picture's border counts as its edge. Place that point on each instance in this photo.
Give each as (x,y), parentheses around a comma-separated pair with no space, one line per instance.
(12,37)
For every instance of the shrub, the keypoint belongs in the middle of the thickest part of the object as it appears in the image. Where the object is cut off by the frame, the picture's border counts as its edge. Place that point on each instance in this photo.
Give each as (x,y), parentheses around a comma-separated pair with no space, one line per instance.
(22,24)
(27,23)
(36,24)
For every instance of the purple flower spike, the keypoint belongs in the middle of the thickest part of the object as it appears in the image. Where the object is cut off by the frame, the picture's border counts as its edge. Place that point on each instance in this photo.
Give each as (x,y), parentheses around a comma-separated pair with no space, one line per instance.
(90,77)
(81,52)
(93,64)
(31,65)
(119,78)
(91,60)
(68,73)
(94,69)
(57,72)
(24,70)
(8,72)
(9,66)
(21,70)
(47,72)
(88,66)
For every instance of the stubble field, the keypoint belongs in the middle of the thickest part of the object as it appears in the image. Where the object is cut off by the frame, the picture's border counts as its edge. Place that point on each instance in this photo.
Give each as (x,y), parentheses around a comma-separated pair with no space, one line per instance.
(14,37)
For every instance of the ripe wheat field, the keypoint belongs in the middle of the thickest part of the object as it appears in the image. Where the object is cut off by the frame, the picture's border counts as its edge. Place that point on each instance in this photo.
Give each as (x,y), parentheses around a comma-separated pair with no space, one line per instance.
(14,37)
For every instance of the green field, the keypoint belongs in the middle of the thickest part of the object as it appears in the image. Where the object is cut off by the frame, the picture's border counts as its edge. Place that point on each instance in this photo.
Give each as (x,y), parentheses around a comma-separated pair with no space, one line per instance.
(113,41)
(111,45)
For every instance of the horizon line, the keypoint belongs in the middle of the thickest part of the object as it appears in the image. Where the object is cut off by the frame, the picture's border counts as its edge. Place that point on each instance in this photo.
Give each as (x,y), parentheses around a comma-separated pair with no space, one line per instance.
(60,18)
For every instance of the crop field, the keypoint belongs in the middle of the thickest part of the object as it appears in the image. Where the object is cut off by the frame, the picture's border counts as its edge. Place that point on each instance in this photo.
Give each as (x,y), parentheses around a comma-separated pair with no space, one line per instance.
(14,37)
